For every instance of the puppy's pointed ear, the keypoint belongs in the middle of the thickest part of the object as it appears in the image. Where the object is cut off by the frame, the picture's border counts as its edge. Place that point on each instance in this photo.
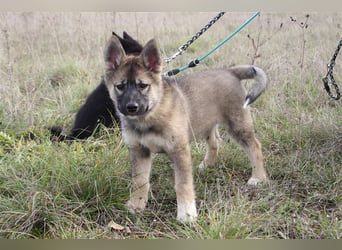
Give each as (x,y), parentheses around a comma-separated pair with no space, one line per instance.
(113,53)
(151,57)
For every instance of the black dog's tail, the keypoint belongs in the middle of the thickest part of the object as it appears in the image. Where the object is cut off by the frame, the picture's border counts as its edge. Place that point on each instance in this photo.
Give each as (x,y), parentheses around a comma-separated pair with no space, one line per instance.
(57,136)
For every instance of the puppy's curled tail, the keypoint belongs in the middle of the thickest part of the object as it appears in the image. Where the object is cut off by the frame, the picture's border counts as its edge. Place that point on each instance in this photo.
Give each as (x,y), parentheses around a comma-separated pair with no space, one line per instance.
(259,84)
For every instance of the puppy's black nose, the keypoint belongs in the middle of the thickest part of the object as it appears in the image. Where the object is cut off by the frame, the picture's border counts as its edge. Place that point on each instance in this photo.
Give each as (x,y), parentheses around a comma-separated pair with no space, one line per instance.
(132,108)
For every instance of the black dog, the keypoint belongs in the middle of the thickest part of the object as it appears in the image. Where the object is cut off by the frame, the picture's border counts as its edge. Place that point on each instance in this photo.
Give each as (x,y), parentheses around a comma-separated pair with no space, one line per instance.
(98,107)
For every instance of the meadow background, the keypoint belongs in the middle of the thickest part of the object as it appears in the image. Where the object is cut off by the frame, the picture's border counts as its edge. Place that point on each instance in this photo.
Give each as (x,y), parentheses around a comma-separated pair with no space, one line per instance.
(50,62)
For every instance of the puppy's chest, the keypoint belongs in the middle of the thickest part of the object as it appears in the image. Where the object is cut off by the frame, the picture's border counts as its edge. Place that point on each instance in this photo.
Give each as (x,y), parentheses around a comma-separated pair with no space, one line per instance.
(152,138)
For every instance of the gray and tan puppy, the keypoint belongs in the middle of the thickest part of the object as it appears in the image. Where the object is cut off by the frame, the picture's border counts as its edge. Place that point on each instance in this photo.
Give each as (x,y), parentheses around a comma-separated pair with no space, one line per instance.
(163,115)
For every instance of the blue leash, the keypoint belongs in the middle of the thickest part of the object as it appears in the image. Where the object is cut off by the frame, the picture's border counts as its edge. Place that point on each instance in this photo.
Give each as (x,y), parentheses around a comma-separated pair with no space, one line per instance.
(195,62)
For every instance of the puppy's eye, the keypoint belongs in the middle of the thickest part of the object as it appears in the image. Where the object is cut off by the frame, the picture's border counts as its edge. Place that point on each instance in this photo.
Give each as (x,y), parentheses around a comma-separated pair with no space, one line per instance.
(120,87)
(142,86)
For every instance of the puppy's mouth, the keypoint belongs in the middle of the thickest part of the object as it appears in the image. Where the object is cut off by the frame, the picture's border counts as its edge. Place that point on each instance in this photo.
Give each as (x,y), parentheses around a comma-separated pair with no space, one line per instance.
(134,110)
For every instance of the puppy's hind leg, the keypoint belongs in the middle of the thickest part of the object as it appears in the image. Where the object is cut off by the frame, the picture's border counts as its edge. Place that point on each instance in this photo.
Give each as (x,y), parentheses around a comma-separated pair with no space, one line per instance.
(213,141)
(240,126)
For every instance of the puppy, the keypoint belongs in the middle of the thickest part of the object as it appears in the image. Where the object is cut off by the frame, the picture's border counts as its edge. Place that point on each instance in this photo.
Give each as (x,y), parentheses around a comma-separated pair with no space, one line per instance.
(160,114)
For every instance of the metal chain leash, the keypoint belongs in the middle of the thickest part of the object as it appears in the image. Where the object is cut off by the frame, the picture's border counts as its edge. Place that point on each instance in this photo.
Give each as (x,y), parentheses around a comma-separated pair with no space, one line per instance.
(195,62)
(184,47)
(330,74)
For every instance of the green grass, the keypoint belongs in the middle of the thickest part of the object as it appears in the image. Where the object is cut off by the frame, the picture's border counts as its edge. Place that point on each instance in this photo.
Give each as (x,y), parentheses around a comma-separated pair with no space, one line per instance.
(50,62)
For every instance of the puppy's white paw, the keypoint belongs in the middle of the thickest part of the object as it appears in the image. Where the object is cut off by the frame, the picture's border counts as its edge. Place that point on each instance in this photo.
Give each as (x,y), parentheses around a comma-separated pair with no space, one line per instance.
(202,166)
(136,204)
(186,212)
(254,181)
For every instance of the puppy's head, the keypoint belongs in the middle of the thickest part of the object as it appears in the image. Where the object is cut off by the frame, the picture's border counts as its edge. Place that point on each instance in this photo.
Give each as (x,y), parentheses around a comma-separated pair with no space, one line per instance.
(133,82)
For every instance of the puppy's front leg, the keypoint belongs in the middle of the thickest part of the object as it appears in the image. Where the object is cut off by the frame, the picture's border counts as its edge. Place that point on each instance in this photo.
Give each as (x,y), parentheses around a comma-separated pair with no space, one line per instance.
(141,167)
(186,205)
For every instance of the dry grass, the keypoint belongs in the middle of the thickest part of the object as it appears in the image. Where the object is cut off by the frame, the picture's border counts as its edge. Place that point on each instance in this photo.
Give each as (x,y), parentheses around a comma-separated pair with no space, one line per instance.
(50,62)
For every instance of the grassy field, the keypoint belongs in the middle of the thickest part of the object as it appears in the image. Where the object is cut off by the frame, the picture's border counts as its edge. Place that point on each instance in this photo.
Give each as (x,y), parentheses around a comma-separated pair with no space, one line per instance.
(50,62)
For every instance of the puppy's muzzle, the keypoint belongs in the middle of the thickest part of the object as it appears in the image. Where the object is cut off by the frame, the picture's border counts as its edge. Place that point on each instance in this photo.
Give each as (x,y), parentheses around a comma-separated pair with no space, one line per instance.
(132,108)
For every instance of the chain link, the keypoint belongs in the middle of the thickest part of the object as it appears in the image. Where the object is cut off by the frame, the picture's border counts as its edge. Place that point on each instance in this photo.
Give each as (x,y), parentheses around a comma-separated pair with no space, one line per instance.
(330,74)
(184,47)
